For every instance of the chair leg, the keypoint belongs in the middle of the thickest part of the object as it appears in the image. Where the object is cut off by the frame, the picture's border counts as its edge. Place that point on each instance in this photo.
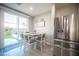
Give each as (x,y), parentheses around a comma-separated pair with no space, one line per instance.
(44,44)
(35,45)
(41,47)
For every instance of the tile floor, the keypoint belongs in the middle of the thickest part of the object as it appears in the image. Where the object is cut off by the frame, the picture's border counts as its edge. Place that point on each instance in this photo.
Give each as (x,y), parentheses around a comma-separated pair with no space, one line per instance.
(24,49)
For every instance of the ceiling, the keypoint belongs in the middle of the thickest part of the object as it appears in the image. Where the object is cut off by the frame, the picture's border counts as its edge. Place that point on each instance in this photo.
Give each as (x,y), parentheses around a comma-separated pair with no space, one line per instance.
(32,9)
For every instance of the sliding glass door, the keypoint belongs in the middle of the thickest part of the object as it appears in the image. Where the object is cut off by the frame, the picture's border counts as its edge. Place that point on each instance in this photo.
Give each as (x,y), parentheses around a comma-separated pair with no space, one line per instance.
(14,26)
(11,28)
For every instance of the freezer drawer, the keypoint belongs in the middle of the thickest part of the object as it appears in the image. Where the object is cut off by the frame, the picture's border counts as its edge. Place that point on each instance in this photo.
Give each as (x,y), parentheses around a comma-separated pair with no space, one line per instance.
(57,42)
(66,45)
(74,52)
(74,46)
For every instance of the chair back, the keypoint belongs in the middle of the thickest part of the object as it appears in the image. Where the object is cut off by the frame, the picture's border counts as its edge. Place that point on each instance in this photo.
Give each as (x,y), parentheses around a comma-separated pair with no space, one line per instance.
(43,36)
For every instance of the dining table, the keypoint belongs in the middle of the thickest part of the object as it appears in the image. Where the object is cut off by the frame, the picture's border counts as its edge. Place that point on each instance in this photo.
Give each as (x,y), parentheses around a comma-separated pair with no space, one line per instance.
(30,35)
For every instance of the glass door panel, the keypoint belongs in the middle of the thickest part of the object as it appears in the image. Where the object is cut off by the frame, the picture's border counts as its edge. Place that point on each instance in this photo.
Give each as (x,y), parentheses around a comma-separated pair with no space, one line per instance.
(23,26)
(10,27)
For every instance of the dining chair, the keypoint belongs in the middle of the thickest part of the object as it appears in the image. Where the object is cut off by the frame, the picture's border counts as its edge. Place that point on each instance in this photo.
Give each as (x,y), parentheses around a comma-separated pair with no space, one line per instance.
(28,41)
(41,39)
(32,42)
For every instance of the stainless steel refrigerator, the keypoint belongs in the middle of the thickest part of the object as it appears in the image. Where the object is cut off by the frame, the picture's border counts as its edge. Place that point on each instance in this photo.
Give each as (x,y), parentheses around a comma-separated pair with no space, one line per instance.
(66,42)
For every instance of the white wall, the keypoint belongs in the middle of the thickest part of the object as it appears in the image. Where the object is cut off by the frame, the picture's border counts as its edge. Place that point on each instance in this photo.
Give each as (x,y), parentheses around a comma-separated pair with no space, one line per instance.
(46,17)
(49,24)
(46,29)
